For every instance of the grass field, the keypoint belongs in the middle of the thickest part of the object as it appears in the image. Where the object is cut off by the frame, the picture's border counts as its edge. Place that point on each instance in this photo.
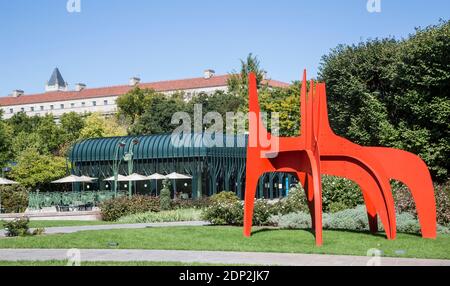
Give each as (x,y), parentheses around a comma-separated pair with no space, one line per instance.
(216,238)
(64,263)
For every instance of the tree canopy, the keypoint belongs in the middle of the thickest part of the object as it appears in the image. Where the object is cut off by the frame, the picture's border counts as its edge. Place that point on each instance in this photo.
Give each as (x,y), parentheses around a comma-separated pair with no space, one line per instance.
(394,93)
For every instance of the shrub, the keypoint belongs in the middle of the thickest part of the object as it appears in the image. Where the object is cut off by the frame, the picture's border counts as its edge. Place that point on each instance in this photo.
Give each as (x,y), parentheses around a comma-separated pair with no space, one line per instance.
(115,208)
(165,199)
(227,209)
(17,227)
(262,212)
(163,216)
(191,204)
(298,220)
(14,199)
(224,197)
(294,202)
(404,201)
(224,213)
(340,193)
(351,219)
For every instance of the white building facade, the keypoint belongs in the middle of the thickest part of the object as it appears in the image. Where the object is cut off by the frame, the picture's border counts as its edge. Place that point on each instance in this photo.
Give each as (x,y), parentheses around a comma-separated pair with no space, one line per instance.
(58,99)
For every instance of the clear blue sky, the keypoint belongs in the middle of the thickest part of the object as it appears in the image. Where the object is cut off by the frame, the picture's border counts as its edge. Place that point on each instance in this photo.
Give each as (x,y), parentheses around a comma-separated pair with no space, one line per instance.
(112,40)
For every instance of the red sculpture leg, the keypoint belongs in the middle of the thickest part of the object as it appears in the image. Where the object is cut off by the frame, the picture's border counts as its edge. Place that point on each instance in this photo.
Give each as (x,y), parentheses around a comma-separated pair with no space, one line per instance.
(373,195)
(251,185)
(333,146)
(372,215)
(314,183)
(413,172)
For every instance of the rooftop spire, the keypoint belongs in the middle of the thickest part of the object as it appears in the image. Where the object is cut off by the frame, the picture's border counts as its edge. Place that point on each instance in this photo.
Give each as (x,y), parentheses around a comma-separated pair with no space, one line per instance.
(56,82)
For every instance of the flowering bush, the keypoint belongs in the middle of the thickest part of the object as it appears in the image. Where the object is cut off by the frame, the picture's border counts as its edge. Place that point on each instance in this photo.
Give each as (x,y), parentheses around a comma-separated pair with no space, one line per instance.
(404,202)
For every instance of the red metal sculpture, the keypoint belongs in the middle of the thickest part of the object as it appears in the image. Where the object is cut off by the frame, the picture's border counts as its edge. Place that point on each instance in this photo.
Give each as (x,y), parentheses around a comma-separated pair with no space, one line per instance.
(317,151)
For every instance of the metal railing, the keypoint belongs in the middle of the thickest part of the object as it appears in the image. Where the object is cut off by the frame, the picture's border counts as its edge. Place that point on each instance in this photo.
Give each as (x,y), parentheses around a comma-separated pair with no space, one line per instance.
(39,200)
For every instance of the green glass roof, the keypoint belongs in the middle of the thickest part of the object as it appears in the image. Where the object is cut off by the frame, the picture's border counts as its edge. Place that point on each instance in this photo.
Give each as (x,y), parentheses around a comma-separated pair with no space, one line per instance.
(156,147)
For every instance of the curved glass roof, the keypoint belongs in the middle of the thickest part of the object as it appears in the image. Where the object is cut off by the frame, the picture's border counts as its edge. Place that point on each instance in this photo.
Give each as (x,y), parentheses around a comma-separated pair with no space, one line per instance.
(158,147)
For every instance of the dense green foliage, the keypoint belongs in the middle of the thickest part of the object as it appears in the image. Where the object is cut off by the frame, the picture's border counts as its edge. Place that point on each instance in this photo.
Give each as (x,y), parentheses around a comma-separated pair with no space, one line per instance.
(404,202)
(116,208)
(17,227)
(165,200)
(34,148)
(34,170)
(14,199)
(394,93)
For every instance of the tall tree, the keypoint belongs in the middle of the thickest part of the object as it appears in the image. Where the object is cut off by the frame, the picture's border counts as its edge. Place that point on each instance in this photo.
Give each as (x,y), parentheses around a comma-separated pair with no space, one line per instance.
(394,93)
(35,170)
(157,117)
(132,105)
(238,81)
(71,125)
(96,126)
(5,142)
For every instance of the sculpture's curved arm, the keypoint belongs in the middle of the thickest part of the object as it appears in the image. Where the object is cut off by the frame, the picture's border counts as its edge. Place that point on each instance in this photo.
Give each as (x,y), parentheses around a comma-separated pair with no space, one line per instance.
(413,172)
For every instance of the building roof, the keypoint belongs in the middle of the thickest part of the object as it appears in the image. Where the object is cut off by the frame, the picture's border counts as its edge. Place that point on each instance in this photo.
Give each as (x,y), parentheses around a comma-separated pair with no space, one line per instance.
(161,86)
(157,147)
(56,79)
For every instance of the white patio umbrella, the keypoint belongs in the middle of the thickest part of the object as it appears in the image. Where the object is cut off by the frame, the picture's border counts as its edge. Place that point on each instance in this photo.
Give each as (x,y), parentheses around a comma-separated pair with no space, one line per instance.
(88,179)
(74,179)
(176,176)
(156,177)
(136,177)
(120,178)
(69,179)
(4,181)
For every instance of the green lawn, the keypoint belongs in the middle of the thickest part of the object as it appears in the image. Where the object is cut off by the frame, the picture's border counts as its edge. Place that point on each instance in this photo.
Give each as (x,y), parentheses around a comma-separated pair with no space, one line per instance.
(216,238)
(134,263)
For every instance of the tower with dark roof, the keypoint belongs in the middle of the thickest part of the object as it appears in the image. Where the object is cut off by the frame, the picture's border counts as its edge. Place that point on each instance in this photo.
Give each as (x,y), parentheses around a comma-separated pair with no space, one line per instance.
(56,82)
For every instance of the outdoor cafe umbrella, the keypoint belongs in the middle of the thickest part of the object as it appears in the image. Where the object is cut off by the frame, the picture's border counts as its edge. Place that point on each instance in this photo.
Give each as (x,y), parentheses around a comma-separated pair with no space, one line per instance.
(120,178)
(4,181)
(74,179)
(175,176)
(156,177)
(135,177)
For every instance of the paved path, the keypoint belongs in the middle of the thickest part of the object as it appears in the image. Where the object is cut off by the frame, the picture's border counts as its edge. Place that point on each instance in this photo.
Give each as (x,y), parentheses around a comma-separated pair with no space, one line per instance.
(73,229)
(209,257)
